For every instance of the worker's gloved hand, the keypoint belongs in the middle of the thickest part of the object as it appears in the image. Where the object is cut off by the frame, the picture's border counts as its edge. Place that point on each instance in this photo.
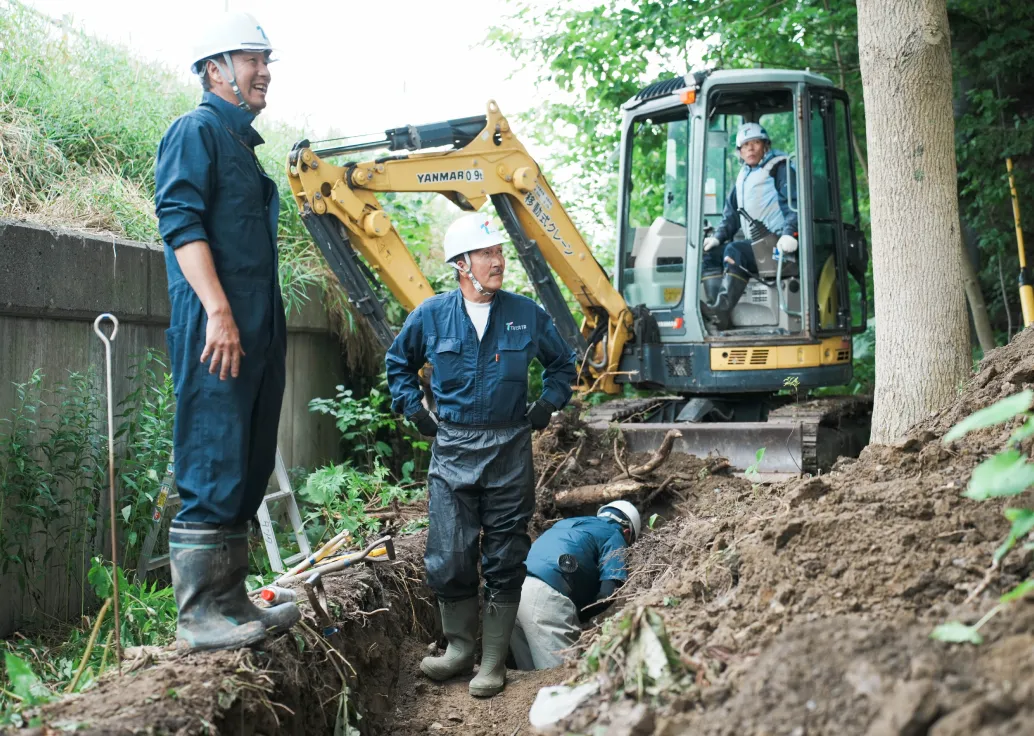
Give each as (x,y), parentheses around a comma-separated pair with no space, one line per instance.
(710,243)
(425,421)
(539,413)
(787,244)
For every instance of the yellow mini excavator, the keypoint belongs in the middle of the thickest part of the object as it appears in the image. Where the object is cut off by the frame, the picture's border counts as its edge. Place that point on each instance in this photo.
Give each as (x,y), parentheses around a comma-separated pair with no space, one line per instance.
(730,391)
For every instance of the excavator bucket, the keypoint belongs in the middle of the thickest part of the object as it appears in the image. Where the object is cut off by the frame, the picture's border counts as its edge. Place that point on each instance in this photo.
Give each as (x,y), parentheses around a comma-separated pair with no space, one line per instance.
(805,438)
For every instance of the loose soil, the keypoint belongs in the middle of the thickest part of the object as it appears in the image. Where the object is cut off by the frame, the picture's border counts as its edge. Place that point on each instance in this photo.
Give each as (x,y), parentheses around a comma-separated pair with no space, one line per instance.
(797,608)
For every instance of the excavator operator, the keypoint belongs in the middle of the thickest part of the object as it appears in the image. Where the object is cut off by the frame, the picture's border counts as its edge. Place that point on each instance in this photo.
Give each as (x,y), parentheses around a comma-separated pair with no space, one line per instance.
(762,191)
(480,341)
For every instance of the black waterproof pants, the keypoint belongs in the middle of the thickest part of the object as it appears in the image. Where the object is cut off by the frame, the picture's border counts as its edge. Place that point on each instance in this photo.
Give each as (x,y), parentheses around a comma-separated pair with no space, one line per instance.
(480,479)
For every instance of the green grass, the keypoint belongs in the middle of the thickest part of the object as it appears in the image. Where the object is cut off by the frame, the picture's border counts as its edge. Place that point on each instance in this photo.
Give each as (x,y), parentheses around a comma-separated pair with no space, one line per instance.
(80,122)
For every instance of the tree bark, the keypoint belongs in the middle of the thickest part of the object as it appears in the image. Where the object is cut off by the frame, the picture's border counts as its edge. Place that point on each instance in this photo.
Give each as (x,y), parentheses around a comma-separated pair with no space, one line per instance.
(922,347)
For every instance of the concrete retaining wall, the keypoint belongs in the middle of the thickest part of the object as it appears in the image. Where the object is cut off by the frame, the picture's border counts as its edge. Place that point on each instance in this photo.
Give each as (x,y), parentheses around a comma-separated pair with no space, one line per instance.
(52,286)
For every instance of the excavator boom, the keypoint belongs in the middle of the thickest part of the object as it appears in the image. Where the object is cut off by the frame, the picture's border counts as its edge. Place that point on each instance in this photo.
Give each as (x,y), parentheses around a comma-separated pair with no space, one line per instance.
(484,160)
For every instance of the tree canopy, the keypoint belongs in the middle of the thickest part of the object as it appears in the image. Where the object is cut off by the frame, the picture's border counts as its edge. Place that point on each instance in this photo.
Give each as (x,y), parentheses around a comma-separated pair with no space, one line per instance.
(591,57)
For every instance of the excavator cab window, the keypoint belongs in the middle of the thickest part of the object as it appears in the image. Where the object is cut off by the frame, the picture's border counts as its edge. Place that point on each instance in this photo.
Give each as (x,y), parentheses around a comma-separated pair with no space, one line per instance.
(771,302)
(653,249)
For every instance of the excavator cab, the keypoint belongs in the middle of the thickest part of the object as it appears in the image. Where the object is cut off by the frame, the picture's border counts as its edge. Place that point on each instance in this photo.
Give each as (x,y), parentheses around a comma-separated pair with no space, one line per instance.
(795,318)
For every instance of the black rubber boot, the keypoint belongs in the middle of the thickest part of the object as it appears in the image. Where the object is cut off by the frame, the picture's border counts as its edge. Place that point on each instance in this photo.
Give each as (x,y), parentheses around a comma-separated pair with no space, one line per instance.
(459,624)
(200,562)
(719,311)
(496,628)
(712,284)
(235,602)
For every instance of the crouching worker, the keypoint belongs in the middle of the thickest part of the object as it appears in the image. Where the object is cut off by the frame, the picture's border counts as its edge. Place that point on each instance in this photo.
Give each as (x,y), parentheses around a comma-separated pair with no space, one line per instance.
(573,568)
(217,213)
(480,341)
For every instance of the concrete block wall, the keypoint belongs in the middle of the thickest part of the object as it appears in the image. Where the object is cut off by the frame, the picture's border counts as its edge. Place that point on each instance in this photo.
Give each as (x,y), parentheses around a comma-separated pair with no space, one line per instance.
(53,284)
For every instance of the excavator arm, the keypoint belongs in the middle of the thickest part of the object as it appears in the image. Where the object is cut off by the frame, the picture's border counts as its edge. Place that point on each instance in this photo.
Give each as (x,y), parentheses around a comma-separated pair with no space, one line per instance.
(485,160)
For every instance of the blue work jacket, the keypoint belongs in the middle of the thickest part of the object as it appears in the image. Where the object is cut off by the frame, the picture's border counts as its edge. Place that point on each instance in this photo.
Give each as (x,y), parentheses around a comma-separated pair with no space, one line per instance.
(209,186)
(596,545)
(478,382)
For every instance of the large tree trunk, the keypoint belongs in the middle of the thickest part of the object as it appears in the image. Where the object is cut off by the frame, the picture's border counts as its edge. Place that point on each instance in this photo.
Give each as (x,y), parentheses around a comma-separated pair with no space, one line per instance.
(922,346)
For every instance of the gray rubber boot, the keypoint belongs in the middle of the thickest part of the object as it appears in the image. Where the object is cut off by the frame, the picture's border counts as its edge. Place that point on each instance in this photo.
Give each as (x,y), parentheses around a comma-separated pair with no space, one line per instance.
(496,629)
(459,624)
(200,563)
(235,602)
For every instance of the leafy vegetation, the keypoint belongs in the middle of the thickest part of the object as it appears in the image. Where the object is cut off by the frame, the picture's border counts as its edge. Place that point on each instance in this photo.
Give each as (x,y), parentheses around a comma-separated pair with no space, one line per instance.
(53,442)
(70,659)
(386,463)
(1006,473)
(51,473)
(371,433)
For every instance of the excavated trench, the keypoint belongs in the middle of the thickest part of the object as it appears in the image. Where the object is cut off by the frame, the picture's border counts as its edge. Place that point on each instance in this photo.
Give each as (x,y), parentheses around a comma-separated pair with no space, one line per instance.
(294,684)
(367,673)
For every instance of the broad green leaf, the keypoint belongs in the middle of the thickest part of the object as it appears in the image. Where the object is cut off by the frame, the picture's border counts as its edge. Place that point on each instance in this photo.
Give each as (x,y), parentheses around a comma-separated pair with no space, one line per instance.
(1006,474)
(998,412)
(1022,524)
(1018,592)
(126,511)
(24,682)
(956,632)
(1023,431)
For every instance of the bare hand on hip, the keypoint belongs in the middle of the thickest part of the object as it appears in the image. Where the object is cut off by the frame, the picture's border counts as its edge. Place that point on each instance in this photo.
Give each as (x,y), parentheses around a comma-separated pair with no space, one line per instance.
(223,345)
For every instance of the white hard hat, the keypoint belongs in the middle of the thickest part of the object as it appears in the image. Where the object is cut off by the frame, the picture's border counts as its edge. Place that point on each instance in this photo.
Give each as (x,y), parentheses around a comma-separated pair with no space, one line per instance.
(471,232)
(231,32)
(628,510)
(751,132)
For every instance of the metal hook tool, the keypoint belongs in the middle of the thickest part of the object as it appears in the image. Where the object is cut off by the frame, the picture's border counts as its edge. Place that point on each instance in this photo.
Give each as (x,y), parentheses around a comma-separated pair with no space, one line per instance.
(106,339)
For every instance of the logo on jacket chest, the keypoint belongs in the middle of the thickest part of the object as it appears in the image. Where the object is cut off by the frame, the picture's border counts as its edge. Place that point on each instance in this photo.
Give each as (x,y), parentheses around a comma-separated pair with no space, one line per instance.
(511,327)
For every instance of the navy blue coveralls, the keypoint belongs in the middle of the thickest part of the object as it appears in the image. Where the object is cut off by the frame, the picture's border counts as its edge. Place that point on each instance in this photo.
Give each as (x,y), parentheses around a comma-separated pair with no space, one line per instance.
(767,197)
(598,547)
(210,187)
(481,474)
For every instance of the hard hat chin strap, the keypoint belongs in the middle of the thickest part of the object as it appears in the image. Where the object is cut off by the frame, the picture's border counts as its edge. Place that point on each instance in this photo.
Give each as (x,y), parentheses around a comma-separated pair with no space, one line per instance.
(470,274)
(231,77)
(624,521)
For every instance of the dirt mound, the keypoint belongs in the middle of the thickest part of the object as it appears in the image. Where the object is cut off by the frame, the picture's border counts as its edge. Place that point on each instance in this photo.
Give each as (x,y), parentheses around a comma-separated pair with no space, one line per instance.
(772,594)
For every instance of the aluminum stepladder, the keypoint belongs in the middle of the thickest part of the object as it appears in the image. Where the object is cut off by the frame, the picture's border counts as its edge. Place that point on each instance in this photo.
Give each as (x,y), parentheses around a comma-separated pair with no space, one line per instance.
(168,499)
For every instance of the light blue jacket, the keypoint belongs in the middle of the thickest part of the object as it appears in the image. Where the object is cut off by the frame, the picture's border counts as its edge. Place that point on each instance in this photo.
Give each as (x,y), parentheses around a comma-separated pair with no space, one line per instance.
(763,191)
